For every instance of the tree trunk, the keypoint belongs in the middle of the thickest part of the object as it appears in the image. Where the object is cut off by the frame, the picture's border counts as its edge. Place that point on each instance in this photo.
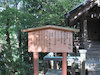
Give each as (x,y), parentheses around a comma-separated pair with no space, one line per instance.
(19,38)
(8,35)
(9,51)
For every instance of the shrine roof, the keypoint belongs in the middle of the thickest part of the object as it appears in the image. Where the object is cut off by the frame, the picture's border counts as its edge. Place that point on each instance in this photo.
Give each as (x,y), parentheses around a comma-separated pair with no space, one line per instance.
(75,14)
(51,27)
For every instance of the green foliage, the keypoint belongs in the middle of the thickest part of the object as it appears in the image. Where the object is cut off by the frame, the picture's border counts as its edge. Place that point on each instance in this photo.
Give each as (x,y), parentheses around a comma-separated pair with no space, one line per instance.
(50,12)
(17,20)
(17,61)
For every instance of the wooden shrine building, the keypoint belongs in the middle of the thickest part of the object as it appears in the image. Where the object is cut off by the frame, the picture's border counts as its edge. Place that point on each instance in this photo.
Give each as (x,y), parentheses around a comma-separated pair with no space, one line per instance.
(86,16)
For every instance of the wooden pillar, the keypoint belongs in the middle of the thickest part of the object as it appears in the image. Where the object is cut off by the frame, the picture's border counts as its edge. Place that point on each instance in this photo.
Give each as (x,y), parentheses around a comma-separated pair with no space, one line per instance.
(64,64)
(83,32)
(35,63)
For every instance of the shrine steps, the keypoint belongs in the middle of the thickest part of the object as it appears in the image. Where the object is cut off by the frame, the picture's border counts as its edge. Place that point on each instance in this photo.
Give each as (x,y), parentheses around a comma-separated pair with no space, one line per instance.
(93,58)
(93,50)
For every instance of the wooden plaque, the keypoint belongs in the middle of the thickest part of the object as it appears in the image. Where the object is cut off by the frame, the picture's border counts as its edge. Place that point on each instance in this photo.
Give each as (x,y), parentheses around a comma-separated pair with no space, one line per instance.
(50,39)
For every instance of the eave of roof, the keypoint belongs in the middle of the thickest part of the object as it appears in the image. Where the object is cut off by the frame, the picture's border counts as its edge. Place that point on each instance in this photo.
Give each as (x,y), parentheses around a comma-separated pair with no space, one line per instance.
(51,27)
(79,10)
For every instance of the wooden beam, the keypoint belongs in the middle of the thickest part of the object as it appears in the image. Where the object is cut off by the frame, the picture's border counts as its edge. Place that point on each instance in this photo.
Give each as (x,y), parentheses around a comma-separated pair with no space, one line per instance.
(76,13)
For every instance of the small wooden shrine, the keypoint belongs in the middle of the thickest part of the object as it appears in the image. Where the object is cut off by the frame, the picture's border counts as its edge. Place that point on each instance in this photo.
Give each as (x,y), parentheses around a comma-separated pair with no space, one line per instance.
(50,39)
(86,17)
